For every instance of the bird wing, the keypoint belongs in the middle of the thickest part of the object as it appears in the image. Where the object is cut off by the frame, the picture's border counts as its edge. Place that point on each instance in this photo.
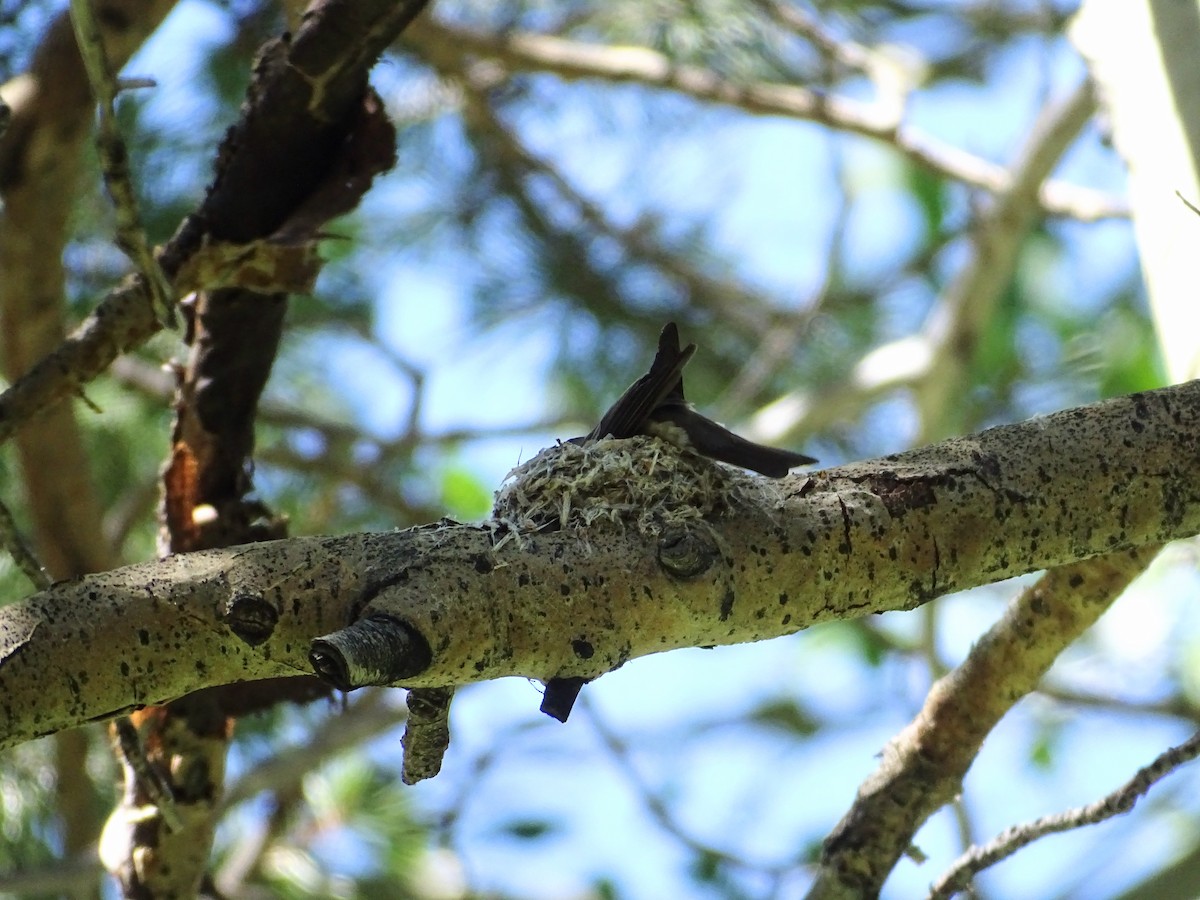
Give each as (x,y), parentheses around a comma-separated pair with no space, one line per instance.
(628,415)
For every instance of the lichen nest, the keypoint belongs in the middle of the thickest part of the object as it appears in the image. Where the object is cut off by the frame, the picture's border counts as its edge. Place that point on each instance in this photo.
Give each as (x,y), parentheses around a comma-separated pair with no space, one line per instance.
(639,481)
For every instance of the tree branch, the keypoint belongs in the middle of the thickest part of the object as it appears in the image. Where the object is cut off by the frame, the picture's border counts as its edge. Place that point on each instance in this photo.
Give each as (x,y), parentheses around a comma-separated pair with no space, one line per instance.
(934,361)
(924,765)
(274,160)
(873,536)
(1142,55)
(1119,802)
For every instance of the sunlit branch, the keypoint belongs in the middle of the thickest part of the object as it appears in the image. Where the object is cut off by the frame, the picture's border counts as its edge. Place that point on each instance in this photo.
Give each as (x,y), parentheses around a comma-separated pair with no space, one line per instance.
(934,360)
(878,535)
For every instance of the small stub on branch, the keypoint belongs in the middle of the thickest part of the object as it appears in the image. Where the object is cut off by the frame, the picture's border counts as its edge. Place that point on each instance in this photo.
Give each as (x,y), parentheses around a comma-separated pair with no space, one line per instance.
(560,696)
(427,733)
(376,650)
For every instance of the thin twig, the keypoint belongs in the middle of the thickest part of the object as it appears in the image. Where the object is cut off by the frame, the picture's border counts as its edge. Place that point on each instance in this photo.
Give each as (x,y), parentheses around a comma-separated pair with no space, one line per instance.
(1188,203)
(18,548)
(1176,707)
(966,309)
(114,162)
(1013,839)
(808,26)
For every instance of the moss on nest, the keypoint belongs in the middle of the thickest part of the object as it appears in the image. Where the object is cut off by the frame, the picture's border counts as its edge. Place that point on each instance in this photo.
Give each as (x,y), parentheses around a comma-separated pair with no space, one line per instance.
(639,481)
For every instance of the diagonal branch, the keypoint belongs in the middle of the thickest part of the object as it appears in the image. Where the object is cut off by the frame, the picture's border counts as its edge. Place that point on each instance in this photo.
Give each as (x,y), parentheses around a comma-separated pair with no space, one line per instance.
(958,324)
(934,361)
(924,765)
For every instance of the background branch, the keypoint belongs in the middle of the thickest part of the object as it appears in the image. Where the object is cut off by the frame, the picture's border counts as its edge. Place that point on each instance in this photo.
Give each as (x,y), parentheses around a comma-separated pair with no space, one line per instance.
(525,52)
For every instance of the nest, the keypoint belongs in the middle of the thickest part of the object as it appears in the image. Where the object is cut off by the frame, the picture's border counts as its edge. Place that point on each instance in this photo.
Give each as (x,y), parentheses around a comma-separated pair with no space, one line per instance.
(641,481)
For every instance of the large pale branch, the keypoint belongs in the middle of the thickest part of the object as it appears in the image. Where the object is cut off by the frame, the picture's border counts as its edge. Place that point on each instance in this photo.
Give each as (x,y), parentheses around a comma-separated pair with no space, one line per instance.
(1143,56)
(880,535)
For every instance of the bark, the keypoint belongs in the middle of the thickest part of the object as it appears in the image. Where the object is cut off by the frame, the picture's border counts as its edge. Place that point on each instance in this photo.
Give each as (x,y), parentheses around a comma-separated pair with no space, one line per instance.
(578,602)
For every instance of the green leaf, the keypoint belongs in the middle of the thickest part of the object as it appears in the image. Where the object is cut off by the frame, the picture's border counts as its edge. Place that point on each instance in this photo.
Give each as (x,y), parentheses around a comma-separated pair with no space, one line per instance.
(464,495)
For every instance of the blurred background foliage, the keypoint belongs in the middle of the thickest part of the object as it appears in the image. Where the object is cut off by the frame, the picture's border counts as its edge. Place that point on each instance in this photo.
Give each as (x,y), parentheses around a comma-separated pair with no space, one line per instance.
(497,290)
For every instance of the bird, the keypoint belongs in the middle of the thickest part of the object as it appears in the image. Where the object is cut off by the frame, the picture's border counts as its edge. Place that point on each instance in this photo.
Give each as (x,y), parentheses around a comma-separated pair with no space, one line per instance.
(655,405)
